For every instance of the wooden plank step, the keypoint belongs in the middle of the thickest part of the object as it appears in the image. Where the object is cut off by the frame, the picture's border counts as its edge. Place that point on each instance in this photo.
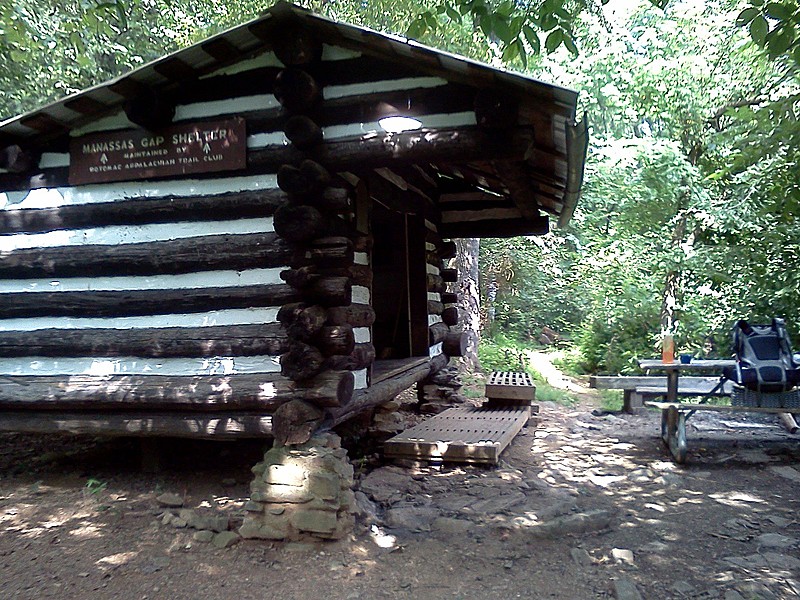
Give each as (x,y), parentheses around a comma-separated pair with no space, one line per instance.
(462,434)
(510,385)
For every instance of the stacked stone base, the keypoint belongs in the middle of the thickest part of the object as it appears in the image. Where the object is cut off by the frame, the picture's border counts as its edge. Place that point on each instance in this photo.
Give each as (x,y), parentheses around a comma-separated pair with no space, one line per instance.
(387,418)
(301,492)
(440,391)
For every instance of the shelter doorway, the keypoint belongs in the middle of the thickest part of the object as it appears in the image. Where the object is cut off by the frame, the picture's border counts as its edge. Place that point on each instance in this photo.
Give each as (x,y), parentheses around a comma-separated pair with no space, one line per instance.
(399,286)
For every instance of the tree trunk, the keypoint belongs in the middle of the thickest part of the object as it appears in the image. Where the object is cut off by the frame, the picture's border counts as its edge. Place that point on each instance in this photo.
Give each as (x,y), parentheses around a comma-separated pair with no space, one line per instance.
(670,298)
(466,263)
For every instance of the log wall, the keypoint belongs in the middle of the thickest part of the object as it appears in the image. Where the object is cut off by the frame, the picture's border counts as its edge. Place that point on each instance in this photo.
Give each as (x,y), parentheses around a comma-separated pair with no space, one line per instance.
(143,295)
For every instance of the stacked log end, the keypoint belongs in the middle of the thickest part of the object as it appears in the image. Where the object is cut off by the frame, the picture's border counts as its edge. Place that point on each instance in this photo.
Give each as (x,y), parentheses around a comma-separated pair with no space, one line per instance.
(440,390)
(315,221)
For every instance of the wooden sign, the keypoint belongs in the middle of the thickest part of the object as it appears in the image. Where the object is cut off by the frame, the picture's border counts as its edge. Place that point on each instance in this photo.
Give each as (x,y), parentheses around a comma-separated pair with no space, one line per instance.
(178,150)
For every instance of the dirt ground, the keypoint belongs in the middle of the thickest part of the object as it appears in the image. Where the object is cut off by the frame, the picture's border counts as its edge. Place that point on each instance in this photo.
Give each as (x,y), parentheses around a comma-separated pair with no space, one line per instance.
(583,505)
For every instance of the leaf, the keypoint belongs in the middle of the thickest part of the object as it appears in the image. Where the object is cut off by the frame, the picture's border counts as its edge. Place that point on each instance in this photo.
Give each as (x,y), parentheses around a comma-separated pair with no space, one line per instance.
(505,9)
(417,28)
(501,30)
(485,24)
(123,18)
(562,14)
(523,56)
(554,40)
(453,14)
(779,11)
(510,52)
(532,37)
(780,42)
(549,21)
(569,44)
(759,29)
(747,15)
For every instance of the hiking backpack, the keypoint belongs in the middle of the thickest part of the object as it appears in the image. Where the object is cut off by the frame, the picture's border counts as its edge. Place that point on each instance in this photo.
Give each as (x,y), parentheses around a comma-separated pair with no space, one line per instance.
(764,360)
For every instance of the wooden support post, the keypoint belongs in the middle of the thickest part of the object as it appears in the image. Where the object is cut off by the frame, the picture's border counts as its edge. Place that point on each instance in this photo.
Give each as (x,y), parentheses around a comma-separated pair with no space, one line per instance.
(309,178)
(150,109)
(296,45)
(378,394)
(332,389)
(299,223)
(335,339)
(449,275)
(450,297)
(435,283)
(302,322)
(362,356)
(357,315)
(302,361)
(447,250)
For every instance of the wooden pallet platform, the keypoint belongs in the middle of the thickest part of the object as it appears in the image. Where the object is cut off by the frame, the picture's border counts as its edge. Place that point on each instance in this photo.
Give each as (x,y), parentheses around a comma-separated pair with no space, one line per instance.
(470,435)
(505,388)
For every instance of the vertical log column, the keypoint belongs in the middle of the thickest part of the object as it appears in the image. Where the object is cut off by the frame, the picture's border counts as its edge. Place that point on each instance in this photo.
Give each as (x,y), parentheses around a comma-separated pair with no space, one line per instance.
(302,488)
(439,390)
(317,221)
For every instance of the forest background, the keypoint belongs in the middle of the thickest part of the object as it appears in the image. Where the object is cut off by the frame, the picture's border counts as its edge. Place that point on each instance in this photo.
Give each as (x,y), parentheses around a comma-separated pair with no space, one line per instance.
(687,220)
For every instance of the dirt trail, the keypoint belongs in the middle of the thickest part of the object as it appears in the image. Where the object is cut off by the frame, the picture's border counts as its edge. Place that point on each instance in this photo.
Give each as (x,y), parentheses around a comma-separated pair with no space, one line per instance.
(542,363)
(581,507)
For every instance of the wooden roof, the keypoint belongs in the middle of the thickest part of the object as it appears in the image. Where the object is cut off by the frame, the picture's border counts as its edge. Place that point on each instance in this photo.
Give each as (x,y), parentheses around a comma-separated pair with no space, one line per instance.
(546,174)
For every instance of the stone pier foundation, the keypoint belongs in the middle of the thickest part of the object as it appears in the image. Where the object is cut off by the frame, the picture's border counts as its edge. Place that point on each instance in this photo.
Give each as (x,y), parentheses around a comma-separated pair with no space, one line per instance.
(301,491)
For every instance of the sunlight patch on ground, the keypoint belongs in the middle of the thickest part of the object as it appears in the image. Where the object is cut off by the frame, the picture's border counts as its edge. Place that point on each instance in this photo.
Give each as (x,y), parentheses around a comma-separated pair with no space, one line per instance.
(115,560)
(87,531)
(737,499)
(381,539)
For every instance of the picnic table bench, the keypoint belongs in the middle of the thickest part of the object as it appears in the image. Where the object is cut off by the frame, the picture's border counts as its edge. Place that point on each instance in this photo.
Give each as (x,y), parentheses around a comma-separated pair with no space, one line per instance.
(674,415)
(638,388)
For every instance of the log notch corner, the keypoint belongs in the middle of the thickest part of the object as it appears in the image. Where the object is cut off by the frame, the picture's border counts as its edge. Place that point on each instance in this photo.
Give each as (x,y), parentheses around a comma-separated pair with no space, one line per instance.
(302,488)
(439,390)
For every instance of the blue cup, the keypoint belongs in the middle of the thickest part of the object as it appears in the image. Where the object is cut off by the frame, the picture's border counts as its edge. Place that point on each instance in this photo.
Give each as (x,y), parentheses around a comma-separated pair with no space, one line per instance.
(686,359)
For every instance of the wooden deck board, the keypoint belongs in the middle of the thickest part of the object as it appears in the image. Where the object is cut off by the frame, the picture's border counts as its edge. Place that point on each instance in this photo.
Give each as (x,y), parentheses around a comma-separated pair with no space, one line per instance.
(384,369)
(472,435)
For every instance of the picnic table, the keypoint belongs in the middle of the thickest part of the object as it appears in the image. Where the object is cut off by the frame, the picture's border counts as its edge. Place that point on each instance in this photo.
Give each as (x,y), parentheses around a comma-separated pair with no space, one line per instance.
(675,413)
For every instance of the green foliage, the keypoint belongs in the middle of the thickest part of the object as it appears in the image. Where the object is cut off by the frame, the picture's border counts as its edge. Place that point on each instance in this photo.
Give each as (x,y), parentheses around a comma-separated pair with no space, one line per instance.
(501,354)
(95,486)
(547,393)
(691,176)
(773,27)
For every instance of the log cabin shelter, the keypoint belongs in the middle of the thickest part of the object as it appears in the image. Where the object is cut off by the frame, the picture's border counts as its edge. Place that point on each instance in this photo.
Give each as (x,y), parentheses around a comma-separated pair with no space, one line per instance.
(248,237)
